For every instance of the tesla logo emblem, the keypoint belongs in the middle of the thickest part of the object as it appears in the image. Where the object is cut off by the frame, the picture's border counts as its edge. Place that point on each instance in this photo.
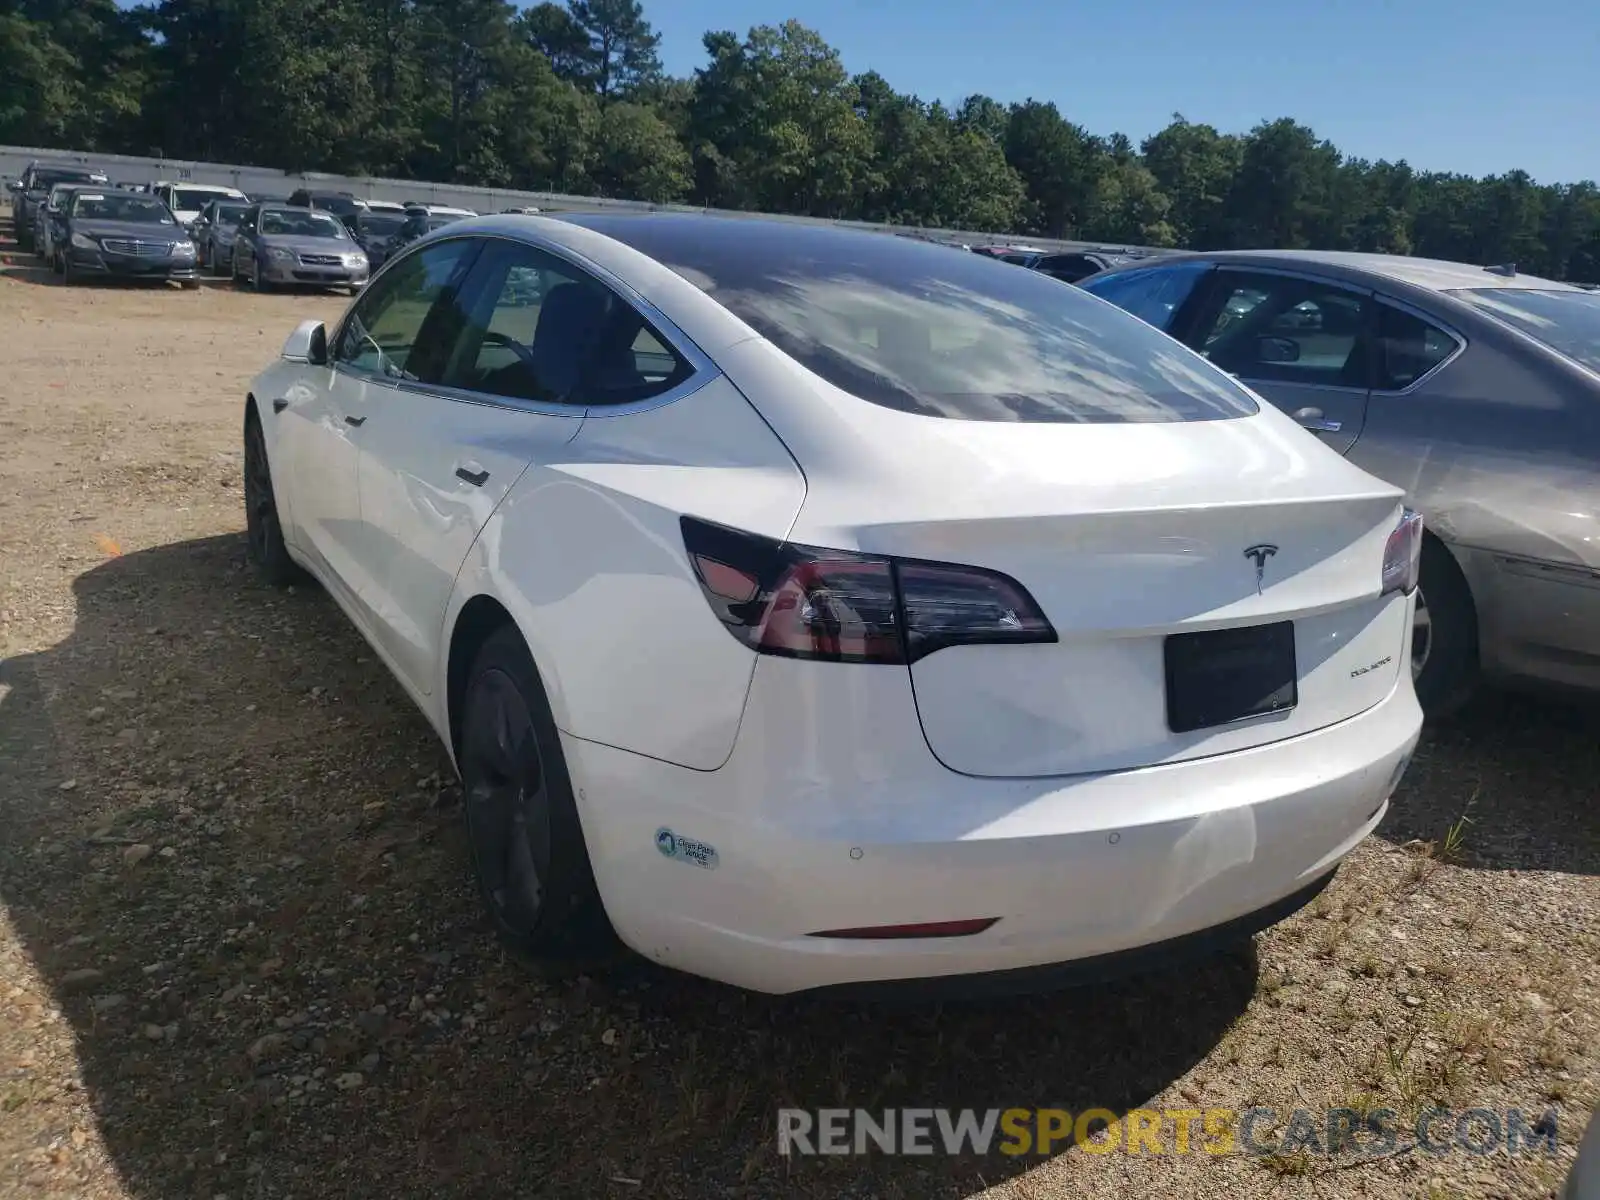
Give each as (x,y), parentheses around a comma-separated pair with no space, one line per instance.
(1259,555)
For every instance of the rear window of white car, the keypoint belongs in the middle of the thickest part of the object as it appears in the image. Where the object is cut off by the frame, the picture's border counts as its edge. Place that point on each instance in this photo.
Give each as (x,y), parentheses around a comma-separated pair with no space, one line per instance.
(931,329)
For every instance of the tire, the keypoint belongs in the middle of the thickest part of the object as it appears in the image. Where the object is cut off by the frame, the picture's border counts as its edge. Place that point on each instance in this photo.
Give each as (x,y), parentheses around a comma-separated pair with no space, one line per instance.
(257,284)
(190,285)
(528,850)
(1445,665)
(69,274)
(263,530)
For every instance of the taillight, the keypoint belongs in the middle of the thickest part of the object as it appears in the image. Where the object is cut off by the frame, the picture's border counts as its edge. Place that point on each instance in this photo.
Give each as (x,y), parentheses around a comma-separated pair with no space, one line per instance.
(1402,555)
(840,606)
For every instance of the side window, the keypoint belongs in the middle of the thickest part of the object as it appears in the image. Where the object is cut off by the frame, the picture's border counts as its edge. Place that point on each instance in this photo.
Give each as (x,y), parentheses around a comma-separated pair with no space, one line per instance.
(538,328)
(1277,328)
(401,328)
(1154,295)
(1408,348)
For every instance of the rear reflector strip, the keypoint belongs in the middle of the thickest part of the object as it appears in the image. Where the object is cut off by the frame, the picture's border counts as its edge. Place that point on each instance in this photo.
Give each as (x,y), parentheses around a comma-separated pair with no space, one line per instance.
(932,929)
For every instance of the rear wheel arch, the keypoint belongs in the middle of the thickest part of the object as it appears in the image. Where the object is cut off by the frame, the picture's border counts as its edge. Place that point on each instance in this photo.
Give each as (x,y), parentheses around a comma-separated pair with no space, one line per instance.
(1450,673)
(479,619)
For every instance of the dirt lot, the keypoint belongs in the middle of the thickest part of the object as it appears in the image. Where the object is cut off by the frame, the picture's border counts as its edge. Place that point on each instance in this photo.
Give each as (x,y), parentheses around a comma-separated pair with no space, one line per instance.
(239,953)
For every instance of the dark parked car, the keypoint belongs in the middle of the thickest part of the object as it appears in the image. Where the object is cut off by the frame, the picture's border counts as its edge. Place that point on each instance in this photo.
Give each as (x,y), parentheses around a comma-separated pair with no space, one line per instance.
(1475,389)
(30,191)
(1076,266)
(280,244)
(213,232)
(1070,266)
(122,234)
(48,218)
(378,234)
(420,222)
(341,204)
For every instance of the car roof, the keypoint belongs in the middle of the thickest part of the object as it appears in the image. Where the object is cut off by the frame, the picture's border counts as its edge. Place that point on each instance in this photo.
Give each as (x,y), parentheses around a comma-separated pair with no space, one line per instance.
(44,168)
(678,237)
(1429,274)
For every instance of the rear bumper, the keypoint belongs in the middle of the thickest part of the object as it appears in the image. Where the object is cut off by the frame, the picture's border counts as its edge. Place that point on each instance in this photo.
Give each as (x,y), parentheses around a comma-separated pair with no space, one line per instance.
(1101,968)
(838,817)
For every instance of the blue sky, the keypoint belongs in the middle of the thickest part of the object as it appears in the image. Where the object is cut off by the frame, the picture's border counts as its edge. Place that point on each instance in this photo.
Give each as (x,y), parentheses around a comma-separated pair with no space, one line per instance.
(1480,86)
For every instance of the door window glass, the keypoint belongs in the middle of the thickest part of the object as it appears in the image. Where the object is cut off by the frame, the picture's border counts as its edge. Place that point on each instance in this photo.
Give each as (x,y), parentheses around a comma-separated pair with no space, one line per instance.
(1408,347)
(1154,295)
(538,328)
(1283,329)
(400,327)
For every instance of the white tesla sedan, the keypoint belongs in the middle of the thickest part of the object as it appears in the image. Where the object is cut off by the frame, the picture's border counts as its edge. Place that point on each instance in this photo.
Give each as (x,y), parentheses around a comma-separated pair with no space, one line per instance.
(822,608)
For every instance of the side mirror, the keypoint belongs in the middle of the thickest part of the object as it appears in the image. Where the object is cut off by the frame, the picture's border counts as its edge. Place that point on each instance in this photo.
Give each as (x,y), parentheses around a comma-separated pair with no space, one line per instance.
(1277,350)
(307,344)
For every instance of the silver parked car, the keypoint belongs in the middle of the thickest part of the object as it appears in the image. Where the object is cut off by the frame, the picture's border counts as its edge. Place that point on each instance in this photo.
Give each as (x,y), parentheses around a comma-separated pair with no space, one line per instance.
(1474,388)
(280,244)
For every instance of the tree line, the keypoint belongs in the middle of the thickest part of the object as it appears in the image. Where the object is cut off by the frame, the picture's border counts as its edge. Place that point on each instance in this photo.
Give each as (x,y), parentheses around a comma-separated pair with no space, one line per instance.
(572,98)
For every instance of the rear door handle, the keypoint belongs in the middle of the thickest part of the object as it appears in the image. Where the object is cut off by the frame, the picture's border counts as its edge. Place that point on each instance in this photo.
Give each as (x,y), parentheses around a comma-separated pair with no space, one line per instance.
(356,421)
(1312,419)
(475,478)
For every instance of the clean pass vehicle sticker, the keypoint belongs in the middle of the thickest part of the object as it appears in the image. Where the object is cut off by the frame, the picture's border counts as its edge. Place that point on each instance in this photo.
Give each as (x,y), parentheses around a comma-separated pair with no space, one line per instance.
(686,849)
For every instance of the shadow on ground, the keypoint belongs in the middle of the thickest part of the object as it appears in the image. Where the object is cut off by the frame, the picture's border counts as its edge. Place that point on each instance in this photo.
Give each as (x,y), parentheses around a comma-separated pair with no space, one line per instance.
(225,842)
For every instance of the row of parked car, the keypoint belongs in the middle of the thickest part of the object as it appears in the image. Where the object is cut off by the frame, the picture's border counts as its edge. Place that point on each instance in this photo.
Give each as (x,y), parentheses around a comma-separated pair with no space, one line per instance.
(82,223)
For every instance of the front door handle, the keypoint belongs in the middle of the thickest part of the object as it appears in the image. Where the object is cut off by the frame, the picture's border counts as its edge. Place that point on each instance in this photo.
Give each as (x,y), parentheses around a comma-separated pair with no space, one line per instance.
(1312,419)
(475,478)
(358,422)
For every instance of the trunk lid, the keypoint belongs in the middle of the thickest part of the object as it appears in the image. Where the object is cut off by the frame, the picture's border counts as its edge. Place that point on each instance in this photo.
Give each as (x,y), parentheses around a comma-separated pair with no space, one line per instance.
(1128,536)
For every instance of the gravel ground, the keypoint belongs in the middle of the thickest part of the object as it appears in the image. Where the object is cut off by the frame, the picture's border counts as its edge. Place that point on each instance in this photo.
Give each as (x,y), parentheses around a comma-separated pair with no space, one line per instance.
(240,955)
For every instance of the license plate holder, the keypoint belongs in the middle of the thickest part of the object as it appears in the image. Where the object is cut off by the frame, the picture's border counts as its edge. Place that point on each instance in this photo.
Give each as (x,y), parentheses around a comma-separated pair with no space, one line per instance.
(1222,676)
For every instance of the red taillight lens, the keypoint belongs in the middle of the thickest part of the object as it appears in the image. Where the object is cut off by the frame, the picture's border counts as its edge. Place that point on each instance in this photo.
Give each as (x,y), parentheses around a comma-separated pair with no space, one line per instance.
(839,609)
(838,606)
(952,606)
(1402,555)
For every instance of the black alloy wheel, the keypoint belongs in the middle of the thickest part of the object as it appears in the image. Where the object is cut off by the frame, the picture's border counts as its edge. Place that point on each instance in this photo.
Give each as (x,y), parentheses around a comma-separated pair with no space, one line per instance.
(263,531)
(528,850)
